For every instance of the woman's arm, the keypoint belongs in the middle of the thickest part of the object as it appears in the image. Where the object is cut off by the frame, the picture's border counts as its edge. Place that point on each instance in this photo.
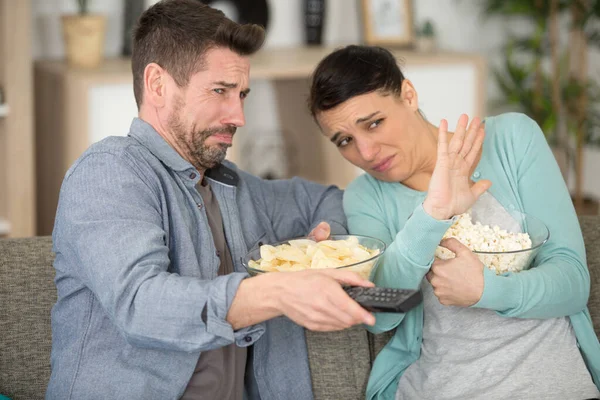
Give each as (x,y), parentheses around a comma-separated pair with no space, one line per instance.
(410,252)
(558,283)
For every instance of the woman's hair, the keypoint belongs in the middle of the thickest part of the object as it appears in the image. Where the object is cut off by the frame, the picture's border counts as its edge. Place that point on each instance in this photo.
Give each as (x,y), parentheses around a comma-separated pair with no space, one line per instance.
(352,71)
(176,34)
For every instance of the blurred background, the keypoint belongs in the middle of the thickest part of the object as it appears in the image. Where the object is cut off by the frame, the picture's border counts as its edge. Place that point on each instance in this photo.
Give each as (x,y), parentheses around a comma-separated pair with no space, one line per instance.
(65,82)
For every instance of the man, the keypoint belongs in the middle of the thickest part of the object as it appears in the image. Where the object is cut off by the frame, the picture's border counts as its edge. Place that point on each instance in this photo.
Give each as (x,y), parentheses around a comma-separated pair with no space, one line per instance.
(153,302)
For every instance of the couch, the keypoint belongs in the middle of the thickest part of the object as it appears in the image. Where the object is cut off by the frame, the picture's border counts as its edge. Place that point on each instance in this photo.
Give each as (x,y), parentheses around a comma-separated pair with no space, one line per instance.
(340,361)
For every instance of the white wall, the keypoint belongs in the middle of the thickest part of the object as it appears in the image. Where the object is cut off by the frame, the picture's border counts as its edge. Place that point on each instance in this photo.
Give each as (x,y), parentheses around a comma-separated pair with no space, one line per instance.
(459,25)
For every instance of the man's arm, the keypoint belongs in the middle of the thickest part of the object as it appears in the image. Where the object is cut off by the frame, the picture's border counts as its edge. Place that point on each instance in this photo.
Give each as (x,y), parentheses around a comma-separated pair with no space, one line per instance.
(109,235)
(313,299)
(296,206)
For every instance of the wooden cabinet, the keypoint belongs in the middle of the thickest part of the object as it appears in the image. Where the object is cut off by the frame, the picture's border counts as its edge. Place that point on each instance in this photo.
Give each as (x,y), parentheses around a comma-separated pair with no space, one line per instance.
(17,198)
(76,107)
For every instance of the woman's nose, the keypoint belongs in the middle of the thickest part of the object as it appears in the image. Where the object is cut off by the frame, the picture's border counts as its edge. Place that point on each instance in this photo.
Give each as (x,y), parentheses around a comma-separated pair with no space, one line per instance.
(367,149)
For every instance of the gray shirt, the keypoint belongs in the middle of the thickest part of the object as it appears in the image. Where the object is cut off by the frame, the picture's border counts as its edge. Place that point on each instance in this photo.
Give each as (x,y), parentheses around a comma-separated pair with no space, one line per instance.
(139,294)
(219,373)
(473,353)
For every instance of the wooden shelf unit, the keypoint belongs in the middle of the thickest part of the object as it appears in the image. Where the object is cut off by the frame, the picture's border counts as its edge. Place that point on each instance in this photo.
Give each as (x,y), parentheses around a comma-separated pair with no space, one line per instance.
(17,183)
(4,110)
(76,106)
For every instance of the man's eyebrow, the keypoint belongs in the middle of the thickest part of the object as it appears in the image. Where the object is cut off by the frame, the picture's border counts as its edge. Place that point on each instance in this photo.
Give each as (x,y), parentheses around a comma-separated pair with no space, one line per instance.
(228,85)
(368,117)
(335,136)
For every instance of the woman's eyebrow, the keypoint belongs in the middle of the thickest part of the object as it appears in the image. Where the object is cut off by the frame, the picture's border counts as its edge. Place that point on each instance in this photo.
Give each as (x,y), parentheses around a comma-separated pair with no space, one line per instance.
(368,117)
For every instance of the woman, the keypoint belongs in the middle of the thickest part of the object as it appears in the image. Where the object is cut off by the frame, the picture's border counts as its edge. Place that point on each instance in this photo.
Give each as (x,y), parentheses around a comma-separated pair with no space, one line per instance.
(477,335)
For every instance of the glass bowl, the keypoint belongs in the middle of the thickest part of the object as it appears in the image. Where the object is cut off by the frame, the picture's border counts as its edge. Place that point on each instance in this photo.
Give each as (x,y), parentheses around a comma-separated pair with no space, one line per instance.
(515,222)
(365,268)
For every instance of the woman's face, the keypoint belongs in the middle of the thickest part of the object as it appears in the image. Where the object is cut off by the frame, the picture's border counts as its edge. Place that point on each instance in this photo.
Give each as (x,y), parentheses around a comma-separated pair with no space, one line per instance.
(382,134)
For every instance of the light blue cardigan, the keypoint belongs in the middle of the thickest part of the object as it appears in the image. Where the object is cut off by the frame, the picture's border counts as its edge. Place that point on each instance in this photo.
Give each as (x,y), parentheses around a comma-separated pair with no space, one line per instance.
(525,177)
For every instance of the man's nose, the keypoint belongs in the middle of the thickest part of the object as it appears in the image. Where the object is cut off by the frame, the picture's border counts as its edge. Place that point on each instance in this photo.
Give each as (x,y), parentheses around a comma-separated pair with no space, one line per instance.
(235,114)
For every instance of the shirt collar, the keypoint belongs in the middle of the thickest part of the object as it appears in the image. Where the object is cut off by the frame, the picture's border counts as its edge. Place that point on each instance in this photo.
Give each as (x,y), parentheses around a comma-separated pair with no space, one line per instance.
(151,139)
(144,133)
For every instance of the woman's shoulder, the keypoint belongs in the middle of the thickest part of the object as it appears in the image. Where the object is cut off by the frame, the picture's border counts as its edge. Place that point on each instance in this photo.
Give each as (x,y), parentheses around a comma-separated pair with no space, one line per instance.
(366,184)
(361,182)
(365,190)
(510,126)
(511,131)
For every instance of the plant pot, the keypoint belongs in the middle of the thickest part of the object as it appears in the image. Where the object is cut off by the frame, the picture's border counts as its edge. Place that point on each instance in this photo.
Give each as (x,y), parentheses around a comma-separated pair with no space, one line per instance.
(84,39)
(425,44)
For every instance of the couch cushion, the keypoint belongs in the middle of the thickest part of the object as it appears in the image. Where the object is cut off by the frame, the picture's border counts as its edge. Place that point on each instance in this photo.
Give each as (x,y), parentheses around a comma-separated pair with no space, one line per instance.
(27,294)
(590,227)
(339,363)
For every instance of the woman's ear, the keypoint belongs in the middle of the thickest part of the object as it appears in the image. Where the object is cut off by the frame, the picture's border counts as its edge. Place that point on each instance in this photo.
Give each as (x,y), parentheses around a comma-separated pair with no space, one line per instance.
(409,95)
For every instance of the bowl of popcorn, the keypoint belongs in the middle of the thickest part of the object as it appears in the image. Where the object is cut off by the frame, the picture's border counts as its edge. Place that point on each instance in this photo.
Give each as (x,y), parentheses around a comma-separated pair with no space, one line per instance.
(357,253)
(506,242)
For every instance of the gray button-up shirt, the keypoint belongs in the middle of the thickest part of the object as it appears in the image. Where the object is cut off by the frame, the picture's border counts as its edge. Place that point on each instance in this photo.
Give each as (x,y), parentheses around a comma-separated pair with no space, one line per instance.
(136,271)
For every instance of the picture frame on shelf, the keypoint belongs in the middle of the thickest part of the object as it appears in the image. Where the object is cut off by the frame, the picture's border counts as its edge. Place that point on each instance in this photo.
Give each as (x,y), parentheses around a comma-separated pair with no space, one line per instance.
(388,22)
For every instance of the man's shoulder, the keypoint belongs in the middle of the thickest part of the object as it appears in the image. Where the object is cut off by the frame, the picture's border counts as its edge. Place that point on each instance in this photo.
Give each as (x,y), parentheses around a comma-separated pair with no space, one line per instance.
(115,151)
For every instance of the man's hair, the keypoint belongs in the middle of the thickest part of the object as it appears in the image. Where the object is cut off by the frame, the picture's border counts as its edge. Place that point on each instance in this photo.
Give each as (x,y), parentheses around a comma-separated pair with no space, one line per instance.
(176,34)
(352,71)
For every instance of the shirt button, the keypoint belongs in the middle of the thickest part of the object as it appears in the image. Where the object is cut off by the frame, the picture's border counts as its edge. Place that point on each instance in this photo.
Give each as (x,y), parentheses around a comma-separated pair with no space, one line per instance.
(476,175)
(192,175)
(248,339)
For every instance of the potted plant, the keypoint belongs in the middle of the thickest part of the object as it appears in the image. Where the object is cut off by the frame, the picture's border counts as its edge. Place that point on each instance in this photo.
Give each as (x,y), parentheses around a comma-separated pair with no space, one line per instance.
(425,37)
(547,78)
(84,35)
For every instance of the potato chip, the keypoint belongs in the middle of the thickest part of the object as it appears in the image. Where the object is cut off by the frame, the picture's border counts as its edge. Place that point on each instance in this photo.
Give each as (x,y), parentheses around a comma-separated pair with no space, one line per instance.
(301,254)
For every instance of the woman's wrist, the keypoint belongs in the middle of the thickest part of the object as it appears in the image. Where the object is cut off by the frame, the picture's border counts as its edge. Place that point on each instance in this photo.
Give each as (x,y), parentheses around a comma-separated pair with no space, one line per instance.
(435,212)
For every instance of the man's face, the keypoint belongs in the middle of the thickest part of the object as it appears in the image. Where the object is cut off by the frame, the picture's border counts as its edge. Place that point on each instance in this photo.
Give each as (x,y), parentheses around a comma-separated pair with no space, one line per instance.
(204,115)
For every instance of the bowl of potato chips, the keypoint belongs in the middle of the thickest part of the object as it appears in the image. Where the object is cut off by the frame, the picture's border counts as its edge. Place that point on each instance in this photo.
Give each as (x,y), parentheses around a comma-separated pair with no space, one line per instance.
(357,253)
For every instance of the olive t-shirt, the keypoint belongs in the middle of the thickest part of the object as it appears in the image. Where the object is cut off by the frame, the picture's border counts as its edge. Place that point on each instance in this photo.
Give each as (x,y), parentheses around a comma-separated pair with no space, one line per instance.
(219,373)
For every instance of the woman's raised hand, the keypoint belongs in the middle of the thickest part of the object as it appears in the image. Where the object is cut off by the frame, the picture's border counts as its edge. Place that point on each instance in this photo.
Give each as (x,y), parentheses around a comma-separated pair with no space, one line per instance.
(450,190)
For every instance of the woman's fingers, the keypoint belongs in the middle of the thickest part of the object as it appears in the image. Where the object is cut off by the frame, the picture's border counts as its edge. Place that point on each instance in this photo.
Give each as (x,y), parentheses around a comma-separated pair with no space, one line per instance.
(457,140)
(471,156)
(443,141)
(470,137)
(480,187)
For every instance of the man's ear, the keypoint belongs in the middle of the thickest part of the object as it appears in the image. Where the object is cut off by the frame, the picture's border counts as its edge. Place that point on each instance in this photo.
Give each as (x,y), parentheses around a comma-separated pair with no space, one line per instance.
(155,79)
(409,95)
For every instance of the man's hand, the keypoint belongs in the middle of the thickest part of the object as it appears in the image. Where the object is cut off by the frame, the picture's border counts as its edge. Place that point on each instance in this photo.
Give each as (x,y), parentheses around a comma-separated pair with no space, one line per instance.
(321,232)
(450,191)
(316,300)
(312,299)
(458,281)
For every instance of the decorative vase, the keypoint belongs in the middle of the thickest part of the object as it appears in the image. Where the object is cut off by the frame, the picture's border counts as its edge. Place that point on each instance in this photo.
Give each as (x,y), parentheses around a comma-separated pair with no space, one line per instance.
(314,20)
(133,10)
(84,39)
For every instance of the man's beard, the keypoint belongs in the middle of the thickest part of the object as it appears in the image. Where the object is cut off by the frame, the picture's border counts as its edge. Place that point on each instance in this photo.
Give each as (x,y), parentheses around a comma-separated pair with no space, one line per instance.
(201,155)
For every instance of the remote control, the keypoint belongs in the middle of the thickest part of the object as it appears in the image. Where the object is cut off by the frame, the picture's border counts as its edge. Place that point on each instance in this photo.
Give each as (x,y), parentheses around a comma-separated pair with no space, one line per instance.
(379,299)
